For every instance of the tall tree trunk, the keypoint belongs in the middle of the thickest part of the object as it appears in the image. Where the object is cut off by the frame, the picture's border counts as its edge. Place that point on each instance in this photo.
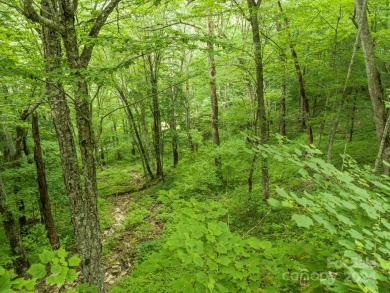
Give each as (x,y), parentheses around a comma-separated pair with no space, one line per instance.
(20,262)
(188,117)
(154,64)
(283,85)
(57,18)
(130,116)
(261,124)
(373,77)
(44,201)
(382,148)
(212,83)
(175,153)
(351,128)
(145,133)
(299,73)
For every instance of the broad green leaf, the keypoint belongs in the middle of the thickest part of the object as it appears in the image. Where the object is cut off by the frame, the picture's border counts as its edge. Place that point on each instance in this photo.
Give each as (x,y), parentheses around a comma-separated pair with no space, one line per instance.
(74,261)
(5,284)
(37,271)
(30,284)
(370,210)
(56,279)
(56,269)
(62,253)
(71,276)
(302,220)
(344,219)
(274,203)
(281,192)
(347,244)
(46,256)
(355,234)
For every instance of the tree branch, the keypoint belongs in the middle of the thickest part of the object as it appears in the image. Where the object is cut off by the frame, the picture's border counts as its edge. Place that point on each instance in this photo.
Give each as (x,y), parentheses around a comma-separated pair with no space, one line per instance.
(29,12)
(100,21)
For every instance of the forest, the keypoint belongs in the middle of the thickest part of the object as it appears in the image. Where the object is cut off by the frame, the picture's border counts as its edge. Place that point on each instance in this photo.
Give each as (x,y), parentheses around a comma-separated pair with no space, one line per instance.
(195,146)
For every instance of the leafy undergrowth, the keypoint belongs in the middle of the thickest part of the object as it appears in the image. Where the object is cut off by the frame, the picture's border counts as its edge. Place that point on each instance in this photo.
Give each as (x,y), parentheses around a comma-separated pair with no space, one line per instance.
(118,179)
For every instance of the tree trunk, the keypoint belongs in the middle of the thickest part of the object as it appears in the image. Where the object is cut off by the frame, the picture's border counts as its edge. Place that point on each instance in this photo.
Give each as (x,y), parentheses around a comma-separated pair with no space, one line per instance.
(299,73)
(212,83)
(340,104)
(188,117)
(20,262)
(351,129)
(261,124)
(145,133)
(130,116)
(153,72)
(44,201)
(373,77)
(175,153)
(283,85)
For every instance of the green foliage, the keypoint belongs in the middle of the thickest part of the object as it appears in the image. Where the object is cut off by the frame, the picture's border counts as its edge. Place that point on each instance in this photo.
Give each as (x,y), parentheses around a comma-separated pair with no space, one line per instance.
(352,204)
(55,267)
(115,179)
(208,255)
(197,174)
(136,218)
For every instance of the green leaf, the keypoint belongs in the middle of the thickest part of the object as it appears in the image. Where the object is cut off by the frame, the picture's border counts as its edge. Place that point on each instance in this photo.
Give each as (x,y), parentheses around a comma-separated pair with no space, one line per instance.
(370,210)
(5,284)
(30,284)
(56,279)
(46,256)
(355,234)
(56,269)
(55,260)
(344,219)
(347,244)
(201,277)
(198,261)
(274,203)
(302,220)
(281,192)
(37,271)
(71,275)
(74,261)
(62,253)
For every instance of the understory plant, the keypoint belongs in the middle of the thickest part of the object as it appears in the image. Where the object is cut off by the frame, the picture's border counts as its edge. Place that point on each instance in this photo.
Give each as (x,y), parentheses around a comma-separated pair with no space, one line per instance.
(351,204)
(55,267)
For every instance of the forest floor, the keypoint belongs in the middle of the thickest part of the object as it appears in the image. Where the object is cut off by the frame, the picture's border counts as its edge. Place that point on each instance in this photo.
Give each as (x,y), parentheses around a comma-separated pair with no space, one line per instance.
(121,241)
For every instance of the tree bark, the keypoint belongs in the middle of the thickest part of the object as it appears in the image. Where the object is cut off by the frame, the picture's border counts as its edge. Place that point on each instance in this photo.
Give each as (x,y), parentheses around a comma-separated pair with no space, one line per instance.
(188,117)
(175,153)
(20,262)
(373,76)
(382,148)
(283,85)
(261,123)
(351,128)
(44,201)
(212,83)
(154,64)
(130,116)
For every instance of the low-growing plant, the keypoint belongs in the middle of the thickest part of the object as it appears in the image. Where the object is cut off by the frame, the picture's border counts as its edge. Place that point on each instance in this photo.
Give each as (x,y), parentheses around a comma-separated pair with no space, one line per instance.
(55,267)
(351,205)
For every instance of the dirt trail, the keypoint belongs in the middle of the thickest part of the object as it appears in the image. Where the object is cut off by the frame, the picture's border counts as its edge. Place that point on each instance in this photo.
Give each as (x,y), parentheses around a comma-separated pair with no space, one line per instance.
(121,242)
